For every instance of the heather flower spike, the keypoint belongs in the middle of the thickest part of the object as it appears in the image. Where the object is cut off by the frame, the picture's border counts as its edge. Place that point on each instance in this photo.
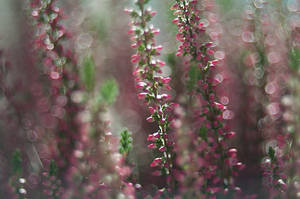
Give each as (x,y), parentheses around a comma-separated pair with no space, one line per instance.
(151,84)
(218,165)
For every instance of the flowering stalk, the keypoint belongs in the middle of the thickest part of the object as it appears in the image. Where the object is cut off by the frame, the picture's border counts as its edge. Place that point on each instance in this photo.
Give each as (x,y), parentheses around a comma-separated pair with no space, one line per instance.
(60,66)
(52,187)
(291,114)
(217,163)
(17,182)
(98,170)
(151,83)
(273,123)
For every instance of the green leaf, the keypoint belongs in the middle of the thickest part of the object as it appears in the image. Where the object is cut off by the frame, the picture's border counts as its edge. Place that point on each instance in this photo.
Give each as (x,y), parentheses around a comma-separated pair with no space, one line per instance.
(203,133)
(109,92)
(17,162)
(52,169)
(88,73)
(271,153)
(294,58)
(141,48)
(125,142)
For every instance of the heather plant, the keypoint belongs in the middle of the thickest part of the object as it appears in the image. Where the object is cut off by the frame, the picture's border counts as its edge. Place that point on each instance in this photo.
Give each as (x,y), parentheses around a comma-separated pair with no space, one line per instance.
(152,84)
(265,62)
(216,163)
(81,119)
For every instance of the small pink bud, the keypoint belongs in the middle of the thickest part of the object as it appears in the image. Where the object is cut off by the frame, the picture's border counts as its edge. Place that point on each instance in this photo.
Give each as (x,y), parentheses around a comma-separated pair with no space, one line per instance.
(210,52)
(163,148)
(220,106)
(161,63)
(152,146)
(141,85)
(214,62)
(216,124)
(174,7)
(166,80)
(164,96)
(205,110)
(166,165)
(159,48)
(150,119)
(153,13)
(226,190)
(131,31)
(141,95)
(151,110)
(232,152)
(156,162)
(199,57)
(230,134)
(237,189)
(135,58)
(176,20)
(151,138)
(156,135)
(54,75)
(169,143)
(177,12)
(168,87)
(155,31)
(178,54)
(211,97)
(215,82)
(209,44)
(134,45)
(128,11)
(201,24)
(240,166)
(205,86)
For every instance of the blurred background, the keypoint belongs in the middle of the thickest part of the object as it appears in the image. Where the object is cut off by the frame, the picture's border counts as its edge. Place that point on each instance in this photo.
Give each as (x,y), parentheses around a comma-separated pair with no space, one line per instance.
(258,43)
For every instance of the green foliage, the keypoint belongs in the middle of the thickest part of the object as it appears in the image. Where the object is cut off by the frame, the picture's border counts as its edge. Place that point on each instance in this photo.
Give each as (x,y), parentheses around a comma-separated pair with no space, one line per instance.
(88,73)
(294,60)
(203,133)
(125,142)
(194,76)
(109,92)
(17,162)
(52,169)
(271,153)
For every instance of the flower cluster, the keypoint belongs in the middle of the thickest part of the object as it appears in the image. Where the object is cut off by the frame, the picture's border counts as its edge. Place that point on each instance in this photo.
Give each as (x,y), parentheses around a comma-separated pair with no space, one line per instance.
(151,84)
(217,163)
(59,65)
(49,35)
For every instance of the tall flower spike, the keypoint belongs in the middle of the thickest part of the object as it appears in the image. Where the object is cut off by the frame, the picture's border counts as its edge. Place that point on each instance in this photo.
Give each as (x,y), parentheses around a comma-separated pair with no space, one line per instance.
(273,125)
(217,164)
(50,34)
(292,106)
(151,84)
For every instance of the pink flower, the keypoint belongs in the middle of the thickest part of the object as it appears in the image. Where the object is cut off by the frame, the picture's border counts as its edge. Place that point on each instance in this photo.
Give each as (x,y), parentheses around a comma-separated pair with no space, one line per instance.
(156,162)
(152,146)
(142,95)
